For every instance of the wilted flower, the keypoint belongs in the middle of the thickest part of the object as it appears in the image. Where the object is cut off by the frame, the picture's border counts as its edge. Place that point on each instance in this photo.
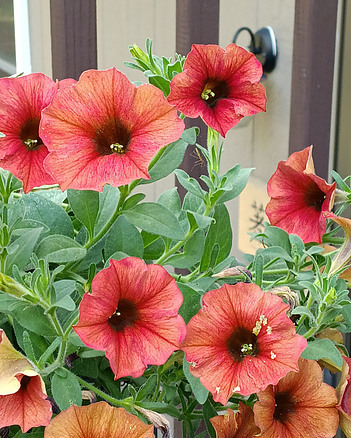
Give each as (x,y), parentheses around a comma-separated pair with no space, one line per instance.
(299,405)
(132,315)
(299,198)
(106,130)
(22,150)
(221,86)
(98,420)
(236,425)
(241,332)
(23,399)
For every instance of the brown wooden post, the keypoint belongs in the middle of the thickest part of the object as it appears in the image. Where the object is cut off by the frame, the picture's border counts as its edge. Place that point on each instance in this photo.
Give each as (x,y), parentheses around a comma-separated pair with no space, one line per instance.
(197,22)
(312,78)
(73,37)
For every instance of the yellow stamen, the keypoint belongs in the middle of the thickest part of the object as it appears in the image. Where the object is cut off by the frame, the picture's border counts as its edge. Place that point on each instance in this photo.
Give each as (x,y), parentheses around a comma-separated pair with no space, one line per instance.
(30,144)
(118,148)
(207,93)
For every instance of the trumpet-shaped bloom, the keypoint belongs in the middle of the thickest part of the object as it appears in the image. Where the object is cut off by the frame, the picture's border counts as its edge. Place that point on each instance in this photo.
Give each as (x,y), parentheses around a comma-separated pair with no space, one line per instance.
(343,257)
(236,425)
(132,315)
(300,405)
(299,198)
(241,341)
(22,150)
(221,86)
(344,397)
(106,130)
(22,391)
(98,420)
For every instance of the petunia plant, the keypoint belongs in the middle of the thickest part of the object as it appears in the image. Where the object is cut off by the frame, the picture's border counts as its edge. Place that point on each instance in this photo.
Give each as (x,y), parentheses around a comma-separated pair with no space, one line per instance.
(122,317)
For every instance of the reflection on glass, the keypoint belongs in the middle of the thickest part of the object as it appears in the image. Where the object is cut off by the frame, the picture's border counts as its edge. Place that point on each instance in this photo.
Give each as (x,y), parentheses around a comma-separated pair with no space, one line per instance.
(7,39)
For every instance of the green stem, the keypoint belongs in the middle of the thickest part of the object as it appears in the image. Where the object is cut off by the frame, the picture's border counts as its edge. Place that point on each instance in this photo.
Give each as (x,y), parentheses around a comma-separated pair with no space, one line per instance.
(107,397)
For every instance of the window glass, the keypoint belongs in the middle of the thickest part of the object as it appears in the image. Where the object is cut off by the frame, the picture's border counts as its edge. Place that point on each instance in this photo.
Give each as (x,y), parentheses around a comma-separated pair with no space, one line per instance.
(7,39)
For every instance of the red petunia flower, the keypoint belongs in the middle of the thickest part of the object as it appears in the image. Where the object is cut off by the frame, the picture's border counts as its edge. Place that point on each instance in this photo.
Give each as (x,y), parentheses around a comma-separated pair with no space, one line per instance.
(236,425)
(132,315)
(23,399)
(22,150)
(300,405)
(221,86)
(241,341)
(98,420)
(299,197)
(344,397)
(106,130)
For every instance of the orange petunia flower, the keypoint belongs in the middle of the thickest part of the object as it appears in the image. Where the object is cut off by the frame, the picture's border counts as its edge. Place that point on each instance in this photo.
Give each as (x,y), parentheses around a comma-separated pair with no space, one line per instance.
(221,86)
(132,315)
(344,397)
(236,425)
(22,150)
(23,399)
(106,130)
(98,420)
(241,341)
(300,405)
(299,198)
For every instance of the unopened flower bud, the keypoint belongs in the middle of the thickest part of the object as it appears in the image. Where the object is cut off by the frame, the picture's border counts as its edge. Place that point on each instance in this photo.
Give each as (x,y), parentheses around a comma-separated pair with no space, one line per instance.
(10,286)
(137,53)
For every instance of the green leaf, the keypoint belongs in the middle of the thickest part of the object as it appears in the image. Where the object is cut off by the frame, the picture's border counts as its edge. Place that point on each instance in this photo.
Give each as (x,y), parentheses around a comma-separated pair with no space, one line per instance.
(63,290)
(147,388)
(155,218)
(169,159)
(301,310)
(162,408)
(161,83)
(66,389)
(154,246)
(198,219)
(236,182)
(277,237)
(276,251)
(208,412)
(133,200)
(189,135)
(191,302)
(124,237)
(200,392)
(36,207)
(219,233)
(85,205)
(170,199)
(322,349)
(108,201)
(190,184)
(28,347)
(192,252)
(48,352)
(258,267)
(21,249)
(60,249)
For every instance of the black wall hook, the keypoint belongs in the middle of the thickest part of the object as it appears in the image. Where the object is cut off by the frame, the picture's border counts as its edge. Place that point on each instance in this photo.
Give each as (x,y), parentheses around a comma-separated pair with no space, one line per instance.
(263,45)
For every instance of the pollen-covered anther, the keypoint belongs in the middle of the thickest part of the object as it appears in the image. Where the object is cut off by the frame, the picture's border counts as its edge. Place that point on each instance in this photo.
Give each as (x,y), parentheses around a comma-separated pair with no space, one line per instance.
(269,329)
(118,148)
(236,389)
(247,348)
(217,389)
(207,93)
(30,143)
(273,355)
(193,364)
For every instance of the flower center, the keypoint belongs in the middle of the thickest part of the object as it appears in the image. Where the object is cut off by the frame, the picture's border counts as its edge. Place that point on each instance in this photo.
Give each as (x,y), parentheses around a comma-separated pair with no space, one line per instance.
(112,138)
(242,343)
(284,407)
(24,382)
(29,134)
(125,315)
(213,91)
(315,197)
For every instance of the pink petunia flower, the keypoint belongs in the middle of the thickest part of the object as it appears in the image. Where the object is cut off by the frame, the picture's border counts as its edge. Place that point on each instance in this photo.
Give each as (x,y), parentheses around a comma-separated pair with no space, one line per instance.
(132,315)
(106,130)
(299,198)
(22,150)
(343,392)
(23,399)
(241,341)
(221,86)
(300,405)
